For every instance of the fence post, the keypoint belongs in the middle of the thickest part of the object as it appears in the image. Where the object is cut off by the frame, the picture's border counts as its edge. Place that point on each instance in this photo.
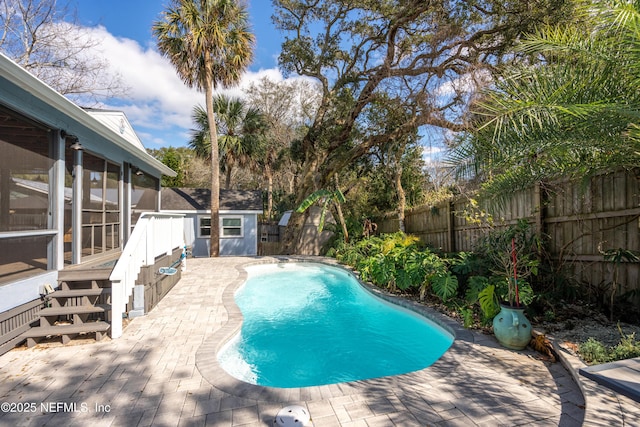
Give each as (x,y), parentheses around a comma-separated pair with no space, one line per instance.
(538,210)
(451,230)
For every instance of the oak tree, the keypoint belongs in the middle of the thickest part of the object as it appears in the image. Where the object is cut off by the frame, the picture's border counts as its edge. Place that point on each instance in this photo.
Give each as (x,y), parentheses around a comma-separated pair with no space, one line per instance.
(424,56)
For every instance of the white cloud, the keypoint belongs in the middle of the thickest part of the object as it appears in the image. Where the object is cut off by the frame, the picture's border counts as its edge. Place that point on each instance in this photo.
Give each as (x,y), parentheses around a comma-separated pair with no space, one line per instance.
(157,100)
(467,83)
(431,154)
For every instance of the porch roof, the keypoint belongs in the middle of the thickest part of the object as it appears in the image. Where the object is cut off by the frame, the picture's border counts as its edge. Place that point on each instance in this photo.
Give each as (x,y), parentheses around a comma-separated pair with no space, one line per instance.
(32,98)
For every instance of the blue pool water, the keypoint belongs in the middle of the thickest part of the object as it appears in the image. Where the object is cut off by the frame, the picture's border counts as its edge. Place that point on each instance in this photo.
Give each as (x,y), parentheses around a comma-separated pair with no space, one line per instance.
(311,324)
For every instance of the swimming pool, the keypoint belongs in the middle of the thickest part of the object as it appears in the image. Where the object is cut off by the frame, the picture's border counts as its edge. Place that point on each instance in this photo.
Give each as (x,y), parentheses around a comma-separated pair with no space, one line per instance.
(311,324)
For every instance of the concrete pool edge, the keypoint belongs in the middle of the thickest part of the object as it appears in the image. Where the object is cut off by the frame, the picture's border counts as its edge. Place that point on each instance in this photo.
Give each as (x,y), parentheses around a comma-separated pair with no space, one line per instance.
(210,369)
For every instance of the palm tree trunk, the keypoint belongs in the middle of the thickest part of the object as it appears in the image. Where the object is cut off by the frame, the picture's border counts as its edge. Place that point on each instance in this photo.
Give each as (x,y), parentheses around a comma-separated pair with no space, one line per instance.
(227,184)
(214,245)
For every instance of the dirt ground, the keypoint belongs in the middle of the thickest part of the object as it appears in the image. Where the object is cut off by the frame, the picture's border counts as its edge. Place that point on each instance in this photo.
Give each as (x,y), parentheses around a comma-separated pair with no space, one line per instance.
(579,323)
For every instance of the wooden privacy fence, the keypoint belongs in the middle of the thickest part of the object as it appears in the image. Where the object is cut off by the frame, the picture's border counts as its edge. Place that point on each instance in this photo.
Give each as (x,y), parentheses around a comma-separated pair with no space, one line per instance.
(269,243)
(577,220)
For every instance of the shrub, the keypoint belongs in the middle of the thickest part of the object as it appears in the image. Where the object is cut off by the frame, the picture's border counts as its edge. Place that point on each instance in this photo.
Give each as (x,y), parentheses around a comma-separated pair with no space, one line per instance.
(490,292)
(594,352)
(628,348)
(469,264)
(397,261)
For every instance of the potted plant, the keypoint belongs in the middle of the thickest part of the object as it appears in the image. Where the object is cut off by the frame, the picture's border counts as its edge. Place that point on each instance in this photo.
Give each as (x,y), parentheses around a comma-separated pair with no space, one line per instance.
(511,327)
(512,253)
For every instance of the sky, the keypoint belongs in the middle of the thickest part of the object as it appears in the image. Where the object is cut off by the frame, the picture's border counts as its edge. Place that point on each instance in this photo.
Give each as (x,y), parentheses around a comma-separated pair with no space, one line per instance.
(158,104)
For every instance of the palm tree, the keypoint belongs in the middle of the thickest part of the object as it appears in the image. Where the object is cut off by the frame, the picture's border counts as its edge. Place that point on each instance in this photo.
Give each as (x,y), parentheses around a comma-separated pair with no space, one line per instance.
(575,113)
(210,45)
(241,130)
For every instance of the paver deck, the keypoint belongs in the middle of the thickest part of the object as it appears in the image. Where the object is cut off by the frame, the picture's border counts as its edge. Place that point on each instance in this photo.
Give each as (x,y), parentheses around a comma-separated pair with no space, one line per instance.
(162,372)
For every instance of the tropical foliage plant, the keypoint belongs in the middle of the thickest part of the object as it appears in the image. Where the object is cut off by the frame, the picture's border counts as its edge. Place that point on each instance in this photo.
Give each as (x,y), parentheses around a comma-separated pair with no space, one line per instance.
(469,283)
(398,262)
(513,253)
(241,133)
(326,198)
(498,269)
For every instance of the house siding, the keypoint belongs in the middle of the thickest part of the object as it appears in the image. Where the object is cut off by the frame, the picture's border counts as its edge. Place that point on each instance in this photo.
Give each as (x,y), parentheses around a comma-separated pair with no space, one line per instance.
(23,291)
(195,204)
(242,246)
(247,245)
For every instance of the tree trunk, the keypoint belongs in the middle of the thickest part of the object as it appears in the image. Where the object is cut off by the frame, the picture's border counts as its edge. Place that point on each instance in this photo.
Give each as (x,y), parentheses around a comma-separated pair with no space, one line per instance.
(343,224)
(227,184)
(292,233)
(215,172)
(294,228)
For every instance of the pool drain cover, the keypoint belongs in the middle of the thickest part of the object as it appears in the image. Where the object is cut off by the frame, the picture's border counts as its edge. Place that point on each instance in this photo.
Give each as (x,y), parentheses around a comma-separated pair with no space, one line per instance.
(293,416)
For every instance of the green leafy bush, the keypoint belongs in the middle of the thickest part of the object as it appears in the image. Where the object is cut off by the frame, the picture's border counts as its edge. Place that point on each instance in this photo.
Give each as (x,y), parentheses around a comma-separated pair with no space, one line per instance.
(512,252)
(490,292)
(398,262)
(469,264)
(628,348)
(594,352)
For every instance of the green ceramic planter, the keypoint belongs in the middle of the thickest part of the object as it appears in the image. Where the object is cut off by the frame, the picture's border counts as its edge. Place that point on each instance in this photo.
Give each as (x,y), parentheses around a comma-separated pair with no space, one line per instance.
(511,327)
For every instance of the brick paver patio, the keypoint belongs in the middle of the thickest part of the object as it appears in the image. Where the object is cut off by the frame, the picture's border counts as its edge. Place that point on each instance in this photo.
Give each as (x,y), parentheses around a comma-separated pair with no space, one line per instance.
(162,372)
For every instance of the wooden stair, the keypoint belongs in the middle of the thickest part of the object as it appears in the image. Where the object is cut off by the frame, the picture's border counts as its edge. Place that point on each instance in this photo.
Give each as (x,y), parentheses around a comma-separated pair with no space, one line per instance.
(80,306)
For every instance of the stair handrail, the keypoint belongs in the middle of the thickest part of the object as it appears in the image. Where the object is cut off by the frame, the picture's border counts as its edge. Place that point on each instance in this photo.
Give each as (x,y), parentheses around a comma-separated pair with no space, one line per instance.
(155,234)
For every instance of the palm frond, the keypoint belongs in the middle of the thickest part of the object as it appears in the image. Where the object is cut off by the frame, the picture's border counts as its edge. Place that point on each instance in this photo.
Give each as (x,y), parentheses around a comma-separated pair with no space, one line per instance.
(208,41)
(313,198)
(200,140)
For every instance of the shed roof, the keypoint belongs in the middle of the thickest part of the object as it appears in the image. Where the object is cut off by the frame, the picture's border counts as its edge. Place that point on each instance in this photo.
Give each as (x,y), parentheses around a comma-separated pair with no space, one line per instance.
(199,199)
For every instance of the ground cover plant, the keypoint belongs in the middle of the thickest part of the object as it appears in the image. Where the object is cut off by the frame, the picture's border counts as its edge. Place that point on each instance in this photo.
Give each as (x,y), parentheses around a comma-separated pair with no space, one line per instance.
(594,352)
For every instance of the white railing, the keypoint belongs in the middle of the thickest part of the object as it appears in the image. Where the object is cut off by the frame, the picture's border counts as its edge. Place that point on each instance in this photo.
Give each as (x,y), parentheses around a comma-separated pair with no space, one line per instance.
(154,235)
